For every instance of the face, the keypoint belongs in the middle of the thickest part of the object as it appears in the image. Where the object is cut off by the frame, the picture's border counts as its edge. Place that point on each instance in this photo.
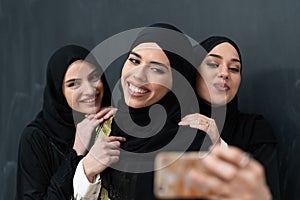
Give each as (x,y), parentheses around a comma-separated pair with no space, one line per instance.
(83,87)
(220,75)
(146,76)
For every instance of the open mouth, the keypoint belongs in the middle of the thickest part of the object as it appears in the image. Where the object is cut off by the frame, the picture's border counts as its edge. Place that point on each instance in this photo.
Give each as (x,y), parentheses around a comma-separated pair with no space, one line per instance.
(136,90)
(91,100)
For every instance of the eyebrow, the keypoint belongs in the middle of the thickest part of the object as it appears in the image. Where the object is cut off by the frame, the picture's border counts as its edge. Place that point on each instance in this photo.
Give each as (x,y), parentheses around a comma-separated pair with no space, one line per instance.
(218,56)
(72,80)
(160,64)
(135,54)
(93,72)
(152,62)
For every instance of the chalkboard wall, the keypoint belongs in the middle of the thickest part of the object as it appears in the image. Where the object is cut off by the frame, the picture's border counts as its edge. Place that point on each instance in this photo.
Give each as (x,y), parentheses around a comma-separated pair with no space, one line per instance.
(267,32)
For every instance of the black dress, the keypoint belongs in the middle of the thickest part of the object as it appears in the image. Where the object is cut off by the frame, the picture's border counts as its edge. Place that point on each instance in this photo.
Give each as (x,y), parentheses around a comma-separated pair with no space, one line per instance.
(251,133)
(45,169)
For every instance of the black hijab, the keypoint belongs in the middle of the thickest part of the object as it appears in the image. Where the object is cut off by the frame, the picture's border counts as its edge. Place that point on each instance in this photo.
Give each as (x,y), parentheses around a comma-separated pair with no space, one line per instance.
(149,130)
(56,119)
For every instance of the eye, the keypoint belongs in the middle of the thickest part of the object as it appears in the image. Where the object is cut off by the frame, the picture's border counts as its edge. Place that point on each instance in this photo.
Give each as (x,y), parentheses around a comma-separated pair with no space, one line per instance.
(94,77)
(157,70)
(134,61)
(212,64)
(234,69)
(73,84)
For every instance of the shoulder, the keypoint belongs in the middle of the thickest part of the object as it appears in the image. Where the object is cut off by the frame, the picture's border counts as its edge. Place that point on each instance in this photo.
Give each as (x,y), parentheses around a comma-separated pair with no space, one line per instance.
(32,133)
(262,131)
(33,138)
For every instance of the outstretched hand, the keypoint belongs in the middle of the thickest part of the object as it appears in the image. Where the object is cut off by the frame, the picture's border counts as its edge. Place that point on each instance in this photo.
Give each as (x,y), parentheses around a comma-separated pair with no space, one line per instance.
(231,174)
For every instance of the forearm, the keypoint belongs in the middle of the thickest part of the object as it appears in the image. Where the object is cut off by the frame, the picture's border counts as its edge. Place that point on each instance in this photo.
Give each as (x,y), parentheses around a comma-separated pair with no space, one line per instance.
(83,188)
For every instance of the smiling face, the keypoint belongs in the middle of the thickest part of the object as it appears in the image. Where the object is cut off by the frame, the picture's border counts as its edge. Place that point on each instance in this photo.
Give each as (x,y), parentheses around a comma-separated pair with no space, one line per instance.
(146,76)
(220,75)
(83,88)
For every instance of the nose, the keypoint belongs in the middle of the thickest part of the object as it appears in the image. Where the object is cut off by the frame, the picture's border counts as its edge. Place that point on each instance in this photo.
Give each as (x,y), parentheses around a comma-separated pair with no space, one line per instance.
(223,72)
(140,73)
(89,89)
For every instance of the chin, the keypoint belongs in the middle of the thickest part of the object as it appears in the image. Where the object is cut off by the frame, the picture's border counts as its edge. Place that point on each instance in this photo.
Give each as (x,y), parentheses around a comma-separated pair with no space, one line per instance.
(136,105)
(93,110)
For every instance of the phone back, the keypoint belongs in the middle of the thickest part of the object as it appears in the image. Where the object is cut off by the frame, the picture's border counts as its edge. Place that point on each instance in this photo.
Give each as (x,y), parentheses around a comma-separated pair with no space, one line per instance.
(170,177)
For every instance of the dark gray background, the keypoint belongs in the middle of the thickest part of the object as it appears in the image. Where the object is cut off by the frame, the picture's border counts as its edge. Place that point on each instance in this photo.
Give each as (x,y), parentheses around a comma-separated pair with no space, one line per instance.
(267,32)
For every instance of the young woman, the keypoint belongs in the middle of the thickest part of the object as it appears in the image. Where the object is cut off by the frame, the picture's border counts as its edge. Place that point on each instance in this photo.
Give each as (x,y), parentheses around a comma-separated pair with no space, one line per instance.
(154,85)
(217,84)
(49,151)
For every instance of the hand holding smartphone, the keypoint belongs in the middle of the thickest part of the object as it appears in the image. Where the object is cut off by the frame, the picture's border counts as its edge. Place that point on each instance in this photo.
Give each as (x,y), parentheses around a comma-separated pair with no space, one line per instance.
(170,176)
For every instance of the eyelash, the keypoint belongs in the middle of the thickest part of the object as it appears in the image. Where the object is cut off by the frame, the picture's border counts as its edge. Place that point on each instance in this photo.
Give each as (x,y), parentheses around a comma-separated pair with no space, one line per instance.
(94,77)
(232,69)
(155,69)
(214,65)
(73,84)
(134,61)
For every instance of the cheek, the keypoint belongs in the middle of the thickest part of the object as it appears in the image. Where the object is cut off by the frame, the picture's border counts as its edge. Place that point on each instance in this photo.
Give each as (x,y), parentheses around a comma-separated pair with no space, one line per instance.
(163,81)
(69,95)
(100,86)
(237,82)
(160,91)
(123,76)
(201,84)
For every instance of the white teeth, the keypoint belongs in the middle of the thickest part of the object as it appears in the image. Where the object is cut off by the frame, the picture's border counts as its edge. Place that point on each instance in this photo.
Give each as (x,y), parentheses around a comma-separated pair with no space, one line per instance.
(89,100)
(135,89)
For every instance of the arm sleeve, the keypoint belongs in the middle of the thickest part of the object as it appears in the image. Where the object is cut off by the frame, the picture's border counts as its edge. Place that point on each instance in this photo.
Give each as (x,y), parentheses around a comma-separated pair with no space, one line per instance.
(264,149)
(42,174)
(223,144)
(266,154)
(83,189)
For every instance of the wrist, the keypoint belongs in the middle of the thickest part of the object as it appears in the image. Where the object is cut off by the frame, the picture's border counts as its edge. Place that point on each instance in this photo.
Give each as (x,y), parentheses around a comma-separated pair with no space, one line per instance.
(88,168)
(79,151)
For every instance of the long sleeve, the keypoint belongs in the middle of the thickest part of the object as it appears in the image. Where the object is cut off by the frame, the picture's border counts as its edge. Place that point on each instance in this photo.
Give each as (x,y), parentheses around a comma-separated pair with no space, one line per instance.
(264,149)
(83,189)
(266,154)
(43,171)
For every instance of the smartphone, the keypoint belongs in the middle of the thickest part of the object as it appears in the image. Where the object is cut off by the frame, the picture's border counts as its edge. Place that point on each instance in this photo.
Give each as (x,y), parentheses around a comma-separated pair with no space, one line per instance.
(170,175)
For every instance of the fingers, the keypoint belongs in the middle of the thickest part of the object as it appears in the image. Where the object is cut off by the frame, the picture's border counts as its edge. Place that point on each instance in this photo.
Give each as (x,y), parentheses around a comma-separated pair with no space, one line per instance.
(202,123)
(89,122)
(208,183)
(116,138)
(219,168)
(196,121)
(234,156)
(90,116)
(106,113)
(111,142)
(225,177)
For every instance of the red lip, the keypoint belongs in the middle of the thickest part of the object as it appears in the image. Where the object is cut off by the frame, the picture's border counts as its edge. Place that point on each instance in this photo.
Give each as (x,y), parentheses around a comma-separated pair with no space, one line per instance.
(222,87)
